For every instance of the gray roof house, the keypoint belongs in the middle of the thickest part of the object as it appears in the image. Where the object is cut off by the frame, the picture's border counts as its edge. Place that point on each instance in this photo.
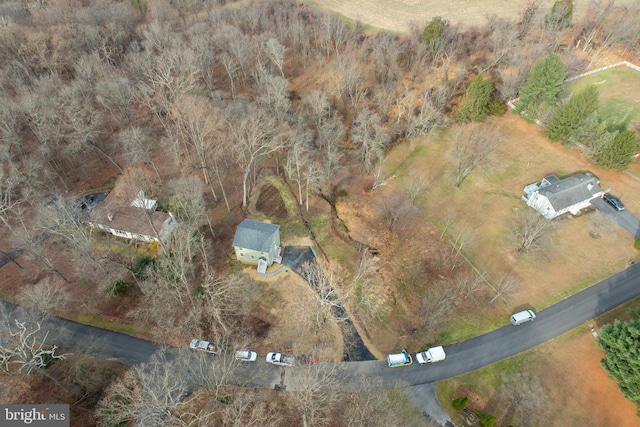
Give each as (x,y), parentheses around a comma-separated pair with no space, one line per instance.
(554,197)
(257,243)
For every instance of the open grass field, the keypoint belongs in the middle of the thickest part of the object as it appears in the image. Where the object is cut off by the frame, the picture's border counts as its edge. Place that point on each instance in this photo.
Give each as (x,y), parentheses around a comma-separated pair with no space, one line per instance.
(619,94)
(397,15)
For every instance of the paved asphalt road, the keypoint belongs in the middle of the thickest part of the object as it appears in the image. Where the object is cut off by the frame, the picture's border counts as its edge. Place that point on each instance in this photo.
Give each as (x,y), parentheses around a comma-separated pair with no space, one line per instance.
(509,340)
(461,357)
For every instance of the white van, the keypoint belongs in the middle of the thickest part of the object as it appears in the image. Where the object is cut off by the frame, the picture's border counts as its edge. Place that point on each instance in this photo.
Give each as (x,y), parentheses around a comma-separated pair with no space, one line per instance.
(399,359)
(522,317)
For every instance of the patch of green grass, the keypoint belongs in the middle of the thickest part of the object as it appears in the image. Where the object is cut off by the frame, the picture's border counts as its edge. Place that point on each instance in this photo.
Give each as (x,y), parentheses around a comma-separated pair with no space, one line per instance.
(402,287)
(318,224)
(619,90)
(620,112)
(106,324)
(293,227)
(485,381)
(85,282)
(139,4)
(339,253)
(461,329)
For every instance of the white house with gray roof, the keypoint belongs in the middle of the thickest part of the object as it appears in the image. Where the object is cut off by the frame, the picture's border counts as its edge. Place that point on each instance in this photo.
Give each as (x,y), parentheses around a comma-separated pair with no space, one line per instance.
(257,243)
(554,197)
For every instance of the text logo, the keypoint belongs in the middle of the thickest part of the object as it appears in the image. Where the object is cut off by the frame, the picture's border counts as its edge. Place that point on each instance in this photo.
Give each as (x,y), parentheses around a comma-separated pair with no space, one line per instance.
(34,415)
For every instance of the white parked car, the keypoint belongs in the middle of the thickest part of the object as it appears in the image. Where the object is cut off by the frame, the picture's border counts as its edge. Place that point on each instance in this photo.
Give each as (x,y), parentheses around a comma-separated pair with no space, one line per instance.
(522,317)
(434,354)
(246,356)
(281,359)
(202,345)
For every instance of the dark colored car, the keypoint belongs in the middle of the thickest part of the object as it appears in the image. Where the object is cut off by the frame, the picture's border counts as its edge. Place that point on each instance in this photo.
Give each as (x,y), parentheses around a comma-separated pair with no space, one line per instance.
(614,201)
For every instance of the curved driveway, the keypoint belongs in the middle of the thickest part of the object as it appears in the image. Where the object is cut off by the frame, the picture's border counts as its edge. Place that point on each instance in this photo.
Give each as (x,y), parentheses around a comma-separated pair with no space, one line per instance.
(461,357)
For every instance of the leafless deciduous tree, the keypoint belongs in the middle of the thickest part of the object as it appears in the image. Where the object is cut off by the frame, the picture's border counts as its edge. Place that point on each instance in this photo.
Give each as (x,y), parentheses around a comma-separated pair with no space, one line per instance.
(151,393)
(250,408)
(176,300)
(373,405)
(505,287)
(434,305)
(254,133)
(26,351)
(328,301)
(393,209)
(299,159)
(48,296)
(429,115)
(416,186)
(369,138)
(368,289)
(531,232)
(311,388)
(65,220)
(136,145)
(601,224)
(472,148)
(526,394)
(197,124)
(32,243)
(213,375)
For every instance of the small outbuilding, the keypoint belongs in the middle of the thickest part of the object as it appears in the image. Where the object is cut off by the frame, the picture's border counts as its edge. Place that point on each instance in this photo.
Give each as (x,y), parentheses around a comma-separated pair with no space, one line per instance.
(257,243)
(554,197)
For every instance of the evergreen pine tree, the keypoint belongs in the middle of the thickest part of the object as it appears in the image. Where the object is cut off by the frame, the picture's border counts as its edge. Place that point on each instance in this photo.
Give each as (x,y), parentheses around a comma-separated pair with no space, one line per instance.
(620,341)
(569,115)
(560,16)
(543,87)
(476,100)
(433,33)
(619,153)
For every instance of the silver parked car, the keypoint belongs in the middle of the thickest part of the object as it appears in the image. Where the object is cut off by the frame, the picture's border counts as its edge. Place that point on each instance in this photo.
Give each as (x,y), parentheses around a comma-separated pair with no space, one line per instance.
(202,345)
(246,356)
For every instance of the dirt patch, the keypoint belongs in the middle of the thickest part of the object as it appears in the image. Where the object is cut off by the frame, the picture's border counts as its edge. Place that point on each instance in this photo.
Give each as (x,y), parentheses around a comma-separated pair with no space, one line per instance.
(270,203)
(588,396)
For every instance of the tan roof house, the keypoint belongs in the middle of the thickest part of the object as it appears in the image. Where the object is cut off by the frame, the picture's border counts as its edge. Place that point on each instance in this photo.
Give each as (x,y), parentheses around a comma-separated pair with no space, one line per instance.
(132,218)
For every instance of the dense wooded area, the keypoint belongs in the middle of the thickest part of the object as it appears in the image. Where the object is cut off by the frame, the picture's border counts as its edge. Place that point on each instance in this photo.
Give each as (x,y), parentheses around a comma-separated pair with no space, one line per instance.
(192,102)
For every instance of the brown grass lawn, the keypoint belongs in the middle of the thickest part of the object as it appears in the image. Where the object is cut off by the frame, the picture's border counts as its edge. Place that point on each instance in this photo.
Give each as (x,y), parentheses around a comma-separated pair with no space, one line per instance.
(489,200)
(397,15)
(568,367)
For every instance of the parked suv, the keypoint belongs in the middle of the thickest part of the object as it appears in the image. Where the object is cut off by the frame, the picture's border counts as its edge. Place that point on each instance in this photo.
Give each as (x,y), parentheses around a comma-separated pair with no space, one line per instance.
(614,201)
